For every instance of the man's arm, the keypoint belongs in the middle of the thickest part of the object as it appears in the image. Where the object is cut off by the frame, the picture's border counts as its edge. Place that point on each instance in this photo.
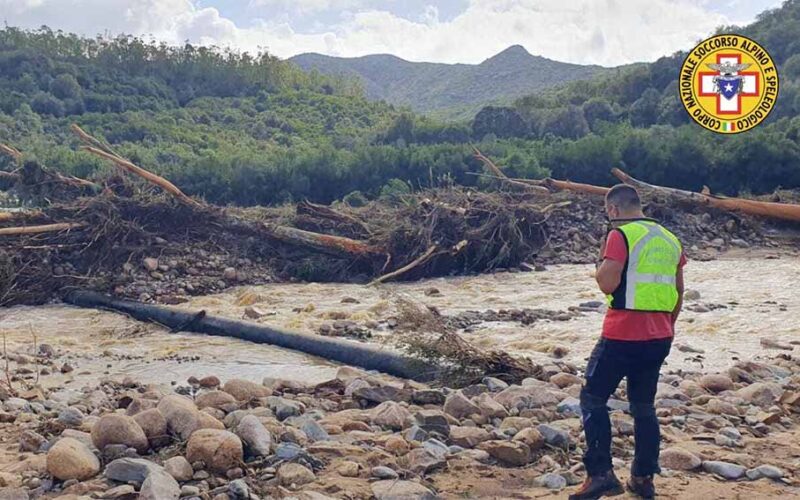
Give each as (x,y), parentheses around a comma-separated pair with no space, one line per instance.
(613,254)
(609,275)
(679,285)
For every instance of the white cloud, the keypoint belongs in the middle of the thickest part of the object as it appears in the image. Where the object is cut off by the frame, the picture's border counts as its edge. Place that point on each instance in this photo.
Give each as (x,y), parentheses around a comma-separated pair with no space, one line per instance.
(305,6)
(608,32)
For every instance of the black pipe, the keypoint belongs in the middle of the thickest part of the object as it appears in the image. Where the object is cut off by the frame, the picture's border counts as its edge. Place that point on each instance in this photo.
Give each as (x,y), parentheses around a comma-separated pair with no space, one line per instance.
(350,353)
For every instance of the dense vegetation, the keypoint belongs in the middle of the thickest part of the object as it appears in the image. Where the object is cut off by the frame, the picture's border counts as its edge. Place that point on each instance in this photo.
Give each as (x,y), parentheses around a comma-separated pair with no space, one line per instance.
(451,91)
(229,127)
(247,129)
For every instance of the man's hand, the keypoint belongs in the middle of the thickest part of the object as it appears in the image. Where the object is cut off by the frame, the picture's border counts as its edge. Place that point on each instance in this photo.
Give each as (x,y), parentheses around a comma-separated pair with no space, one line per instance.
(603,242)
(609,275)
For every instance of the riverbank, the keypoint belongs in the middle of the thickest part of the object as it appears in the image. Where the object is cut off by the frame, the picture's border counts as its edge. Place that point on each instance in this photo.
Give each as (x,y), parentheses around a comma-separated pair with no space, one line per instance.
(361,435)
(729,393)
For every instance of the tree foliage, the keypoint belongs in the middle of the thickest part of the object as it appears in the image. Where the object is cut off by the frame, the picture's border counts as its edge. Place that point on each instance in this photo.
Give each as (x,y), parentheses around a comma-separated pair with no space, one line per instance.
(251,129)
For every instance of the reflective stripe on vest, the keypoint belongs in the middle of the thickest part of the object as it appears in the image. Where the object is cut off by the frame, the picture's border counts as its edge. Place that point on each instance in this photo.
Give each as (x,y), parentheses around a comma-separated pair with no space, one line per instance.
(649,291)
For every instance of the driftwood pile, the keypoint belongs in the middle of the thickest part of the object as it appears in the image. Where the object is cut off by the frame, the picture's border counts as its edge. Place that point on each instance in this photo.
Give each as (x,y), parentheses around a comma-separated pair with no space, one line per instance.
(81,233)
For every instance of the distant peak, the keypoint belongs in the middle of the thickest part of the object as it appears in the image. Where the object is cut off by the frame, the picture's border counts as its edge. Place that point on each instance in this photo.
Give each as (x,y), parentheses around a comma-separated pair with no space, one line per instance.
(515,49)
(513,52)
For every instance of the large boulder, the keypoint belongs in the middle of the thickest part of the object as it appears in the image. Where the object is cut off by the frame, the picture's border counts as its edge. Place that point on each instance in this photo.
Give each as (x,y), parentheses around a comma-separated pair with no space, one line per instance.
(459,406)
(489,407)
(716,382)
(207,421)
(424,460)
(183,417)
(563,379)
(83,437)
(433,421)
(531,437)
(72,459)
(468,437)
(256,437)
(379,394)
(159,486)
(527,397)
(119,429)
(244,390)
(516,423)
(181,414)
(13,493)
(219,450)
(154,426)
(725,469)
(216,399)
(761,393)
(138,405)
(391,415)
(179,468)
(131,470)
(509,452)
(720,407)
(679,459)
(393,489)
(295,474)
(554,436)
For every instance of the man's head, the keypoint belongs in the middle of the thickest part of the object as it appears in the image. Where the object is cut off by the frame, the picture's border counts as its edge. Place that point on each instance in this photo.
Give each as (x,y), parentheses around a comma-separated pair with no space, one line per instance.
(622,202)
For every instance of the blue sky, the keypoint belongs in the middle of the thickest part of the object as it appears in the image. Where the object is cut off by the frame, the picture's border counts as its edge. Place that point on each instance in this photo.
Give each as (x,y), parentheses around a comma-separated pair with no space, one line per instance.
(607,32)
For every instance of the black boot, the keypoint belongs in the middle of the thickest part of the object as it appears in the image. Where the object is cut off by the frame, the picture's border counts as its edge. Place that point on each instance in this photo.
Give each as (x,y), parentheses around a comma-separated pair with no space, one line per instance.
(606,485)
(642,486)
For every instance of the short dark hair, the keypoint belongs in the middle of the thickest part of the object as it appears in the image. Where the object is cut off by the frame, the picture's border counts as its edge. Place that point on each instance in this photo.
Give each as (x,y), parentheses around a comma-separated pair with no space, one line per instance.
(624,196)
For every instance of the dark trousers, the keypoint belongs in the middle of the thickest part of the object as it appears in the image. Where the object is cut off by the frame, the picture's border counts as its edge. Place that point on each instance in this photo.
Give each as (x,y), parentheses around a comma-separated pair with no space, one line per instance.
(611,360)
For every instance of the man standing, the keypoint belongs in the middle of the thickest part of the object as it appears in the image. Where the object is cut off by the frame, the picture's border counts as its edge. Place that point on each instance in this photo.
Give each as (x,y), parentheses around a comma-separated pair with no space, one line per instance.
(642,275)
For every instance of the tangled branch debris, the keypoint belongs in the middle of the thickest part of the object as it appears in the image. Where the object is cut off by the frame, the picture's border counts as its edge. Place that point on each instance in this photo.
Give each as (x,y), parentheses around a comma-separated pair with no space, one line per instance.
(150,241)
(426,336)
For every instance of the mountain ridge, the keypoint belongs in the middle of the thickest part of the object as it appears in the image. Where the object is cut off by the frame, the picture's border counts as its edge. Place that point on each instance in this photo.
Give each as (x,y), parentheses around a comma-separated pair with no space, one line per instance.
(450,90)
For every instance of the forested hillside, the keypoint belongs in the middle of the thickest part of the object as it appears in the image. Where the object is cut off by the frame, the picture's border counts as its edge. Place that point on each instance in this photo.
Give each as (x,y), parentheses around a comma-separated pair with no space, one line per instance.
(636,119)
(256,130)
(232,128)
(451,90)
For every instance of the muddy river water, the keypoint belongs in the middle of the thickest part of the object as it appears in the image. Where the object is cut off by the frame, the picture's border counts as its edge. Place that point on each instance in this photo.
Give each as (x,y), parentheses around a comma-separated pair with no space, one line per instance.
(759,296)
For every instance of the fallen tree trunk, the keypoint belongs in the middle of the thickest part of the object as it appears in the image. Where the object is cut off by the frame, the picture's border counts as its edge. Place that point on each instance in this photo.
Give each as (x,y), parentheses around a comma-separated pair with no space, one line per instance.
(325,243)
(96,147)
(576,187)
(10,151)
(325,212)
(784,211)
(92,141)
(430,253)
(540,186)
(144,174)
(78,182)
(46,228)
(351,353)
(7,216)
(499,174)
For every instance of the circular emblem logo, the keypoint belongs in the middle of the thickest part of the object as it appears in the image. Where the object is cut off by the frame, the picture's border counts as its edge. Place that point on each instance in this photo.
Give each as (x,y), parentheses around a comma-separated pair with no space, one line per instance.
(728,84)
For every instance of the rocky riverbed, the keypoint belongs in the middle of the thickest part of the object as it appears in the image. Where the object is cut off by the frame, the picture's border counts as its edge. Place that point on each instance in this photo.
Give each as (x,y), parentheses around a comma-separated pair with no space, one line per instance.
(364,435)
(105,407)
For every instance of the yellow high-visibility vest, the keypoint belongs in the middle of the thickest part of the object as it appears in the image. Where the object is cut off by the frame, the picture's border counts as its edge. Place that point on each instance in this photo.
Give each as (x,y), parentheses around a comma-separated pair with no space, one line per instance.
(648,278)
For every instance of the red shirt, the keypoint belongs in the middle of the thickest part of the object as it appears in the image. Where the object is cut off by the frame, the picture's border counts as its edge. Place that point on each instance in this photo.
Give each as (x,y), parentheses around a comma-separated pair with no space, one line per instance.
(621,324)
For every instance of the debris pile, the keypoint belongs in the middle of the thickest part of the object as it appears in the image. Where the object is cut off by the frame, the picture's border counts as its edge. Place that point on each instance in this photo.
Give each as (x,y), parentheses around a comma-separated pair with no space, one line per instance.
(143,238)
